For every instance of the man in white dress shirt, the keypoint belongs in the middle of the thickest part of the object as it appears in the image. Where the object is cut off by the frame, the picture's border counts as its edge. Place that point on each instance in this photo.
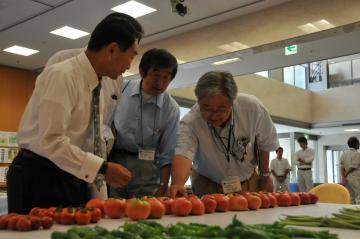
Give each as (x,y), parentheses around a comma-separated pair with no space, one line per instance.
(304,159)
(280,169)
(59,133)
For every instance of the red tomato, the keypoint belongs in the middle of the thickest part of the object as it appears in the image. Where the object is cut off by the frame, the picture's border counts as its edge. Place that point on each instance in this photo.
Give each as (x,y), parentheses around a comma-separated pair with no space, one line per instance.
(305,198)
(295,199)
(83,217)
(157,208)
(137,209)
(13,222)
(114,208)
(313,198)
(96,215)
(197,206)
(167,203)
(23,224)
(35,211)
(273,200)
(209,203)
(47,222)
(57,214)
(284,200)
(238,203)
(96,203)
(265,200)
(67,216)
(254,202)
(45,212)
(4,220)
(222,202)
(181,206)
(35,222)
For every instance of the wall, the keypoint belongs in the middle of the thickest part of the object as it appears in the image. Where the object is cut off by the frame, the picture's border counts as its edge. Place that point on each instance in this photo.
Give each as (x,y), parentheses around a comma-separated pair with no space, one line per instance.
(16,88)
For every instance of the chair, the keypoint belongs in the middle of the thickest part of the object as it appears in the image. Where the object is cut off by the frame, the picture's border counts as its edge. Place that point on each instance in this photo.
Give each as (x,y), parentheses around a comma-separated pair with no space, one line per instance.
(332,193)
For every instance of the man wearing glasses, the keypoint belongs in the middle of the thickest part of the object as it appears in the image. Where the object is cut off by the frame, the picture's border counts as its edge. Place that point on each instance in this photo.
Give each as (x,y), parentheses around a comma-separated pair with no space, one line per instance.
(224,138)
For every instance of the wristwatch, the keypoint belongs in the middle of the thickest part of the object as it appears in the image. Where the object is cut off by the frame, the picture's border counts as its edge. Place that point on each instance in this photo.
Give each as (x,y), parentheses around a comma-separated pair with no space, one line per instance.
(103,168)
(264,174)
(162,184)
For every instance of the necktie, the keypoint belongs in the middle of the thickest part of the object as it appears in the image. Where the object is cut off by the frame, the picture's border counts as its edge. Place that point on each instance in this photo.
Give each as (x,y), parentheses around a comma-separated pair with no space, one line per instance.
(99,180)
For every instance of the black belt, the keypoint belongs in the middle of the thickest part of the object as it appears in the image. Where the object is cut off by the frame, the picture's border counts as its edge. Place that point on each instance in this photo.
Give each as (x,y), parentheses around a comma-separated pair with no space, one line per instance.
(123,151)
(304,169)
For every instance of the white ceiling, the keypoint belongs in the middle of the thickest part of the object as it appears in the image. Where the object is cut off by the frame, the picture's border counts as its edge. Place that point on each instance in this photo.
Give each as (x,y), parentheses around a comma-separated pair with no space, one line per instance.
(28,22)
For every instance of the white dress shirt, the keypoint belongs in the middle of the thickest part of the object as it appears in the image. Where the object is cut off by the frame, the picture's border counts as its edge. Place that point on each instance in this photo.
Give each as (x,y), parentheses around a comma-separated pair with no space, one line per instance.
(57,121)
(307,155)
(279,166)
(351,159)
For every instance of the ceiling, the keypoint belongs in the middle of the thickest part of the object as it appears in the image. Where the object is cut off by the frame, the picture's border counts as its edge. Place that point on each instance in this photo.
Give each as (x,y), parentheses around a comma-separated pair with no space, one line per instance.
(28,22)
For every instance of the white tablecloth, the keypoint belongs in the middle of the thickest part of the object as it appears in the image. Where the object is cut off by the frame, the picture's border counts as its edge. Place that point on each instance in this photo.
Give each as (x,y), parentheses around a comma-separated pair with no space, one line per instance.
(222,219)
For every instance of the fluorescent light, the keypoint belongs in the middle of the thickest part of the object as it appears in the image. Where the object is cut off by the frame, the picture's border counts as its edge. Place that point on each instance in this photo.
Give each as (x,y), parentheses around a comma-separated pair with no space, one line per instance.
(127,73)
(21,50)
(69,32)
(180,61)
(352,130)
(134,9)
(323,24)
(233,46)
(225,61)
(308,28)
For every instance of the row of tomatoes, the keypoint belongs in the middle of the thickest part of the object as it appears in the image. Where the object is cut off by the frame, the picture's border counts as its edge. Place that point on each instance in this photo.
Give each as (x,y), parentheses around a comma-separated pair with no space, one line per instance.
(20,222)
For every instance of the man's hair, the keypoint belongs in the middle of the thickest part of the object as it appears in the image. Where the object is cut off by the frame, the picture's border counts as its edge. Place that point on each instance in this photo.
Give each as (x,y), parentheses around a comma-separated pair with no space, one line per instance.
(302,139)
(214,83)
(280,148)
(116,27)
(158,58)
(352,142)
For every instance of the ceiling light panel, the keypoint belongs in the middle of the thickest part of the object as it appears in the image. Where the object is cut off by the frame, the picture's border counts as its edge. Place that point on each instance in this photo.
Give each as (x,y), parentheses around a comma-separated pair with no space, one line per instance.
(308,28)
(134,9)
(352,130)
(226,61)
(233,46)
(19,50)
(69,32)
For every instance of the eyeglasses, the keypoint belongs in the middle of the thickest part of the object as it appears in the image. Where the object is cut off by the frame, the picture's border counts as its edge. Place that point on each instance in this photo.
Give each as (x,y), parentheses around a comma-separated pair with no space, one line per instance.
(215,111)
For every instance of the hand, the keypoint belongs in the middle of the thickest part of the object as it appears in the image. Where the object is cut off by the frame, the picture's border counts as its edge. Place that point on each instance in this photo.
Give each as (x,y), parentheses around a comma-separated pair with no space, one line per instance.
(116,175)
(265,184)
(177,189)
(162,191)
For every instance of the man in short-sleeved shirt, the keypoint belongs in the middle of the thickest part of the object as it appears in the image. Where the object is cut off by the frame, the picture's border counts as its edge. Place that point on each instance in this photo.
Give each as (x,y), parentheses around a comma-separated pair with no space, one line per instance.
(304,159)
(280,169)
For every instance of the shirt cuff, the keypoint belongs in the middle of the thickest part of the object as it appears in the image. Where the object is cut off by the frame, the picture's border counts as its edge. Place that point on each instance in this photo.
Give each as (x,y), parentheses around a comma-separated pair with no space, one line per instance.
(90,167)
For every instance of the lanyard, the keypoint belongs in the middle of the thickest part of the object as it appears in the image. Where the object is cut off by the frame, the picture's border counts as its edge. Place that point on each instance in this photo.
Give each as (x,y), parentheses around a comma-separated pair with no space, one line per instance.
(141,118)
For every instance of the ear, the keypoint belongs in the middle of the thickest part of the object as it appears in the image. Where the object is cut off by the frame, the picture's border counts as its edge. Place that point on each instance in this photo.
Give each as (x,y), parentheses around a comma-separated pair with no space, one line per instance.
(112,48)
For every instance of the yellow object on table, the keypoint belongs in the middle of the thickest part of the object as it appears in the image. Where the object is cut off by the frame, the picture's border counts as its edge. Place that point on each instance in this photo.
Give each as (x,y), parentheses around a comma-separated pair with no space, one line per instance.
(332,193)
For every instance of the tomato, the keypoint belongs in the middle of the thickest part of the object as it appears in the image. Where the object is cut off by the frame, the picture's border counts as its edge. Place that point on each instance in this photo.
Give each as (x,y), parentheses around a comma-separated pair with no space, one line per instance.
(284,200)
(96,203)
(47,222)
(265,200)
(222,202)
(96,215)
(273,200)
(137,209)
(254,202)
(197,206)
(13,222)
(209,203)
(305,198)
(23,224)
(238,203)
(57,214)
(295,199)
(313,198)
(4,220)
(181,206)
(157,208)
(114,208)
(35,222)
(166,201)
(67,216)
(35,211)
(82,217)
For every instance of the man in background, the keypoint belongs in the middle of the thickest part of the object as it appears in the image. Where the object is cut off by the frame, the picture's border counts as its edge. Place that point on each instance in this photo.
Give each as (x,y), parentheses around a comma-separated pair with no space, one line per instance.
(304,159)
(280,169)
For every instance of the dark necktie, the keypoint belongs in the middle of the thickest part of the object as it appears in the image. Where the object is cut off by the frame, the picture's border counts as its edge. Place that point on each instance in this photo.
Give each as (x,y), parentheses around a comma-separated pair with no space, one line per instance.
(96,117)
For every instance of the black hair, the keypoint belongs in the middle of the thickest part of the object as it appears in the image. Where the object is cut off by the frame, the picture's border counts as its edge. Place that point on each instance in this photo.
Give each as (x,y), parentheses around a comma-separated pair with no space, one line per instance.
(352,142)
(302,139)
(158,58)
(280,148)
(116,27)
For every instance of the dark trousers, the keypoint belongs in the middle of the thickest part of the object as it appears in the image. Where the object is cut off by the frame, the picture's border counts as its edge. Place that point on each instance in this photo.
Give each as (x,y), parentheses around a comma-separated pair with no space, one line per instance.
(35,181)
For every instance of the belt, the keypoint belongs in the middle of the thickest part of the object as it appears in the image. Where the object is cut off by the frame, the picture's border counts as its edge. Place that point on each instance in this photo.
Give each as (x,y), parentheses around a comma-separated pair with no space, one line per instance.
(304,169)
(123,151)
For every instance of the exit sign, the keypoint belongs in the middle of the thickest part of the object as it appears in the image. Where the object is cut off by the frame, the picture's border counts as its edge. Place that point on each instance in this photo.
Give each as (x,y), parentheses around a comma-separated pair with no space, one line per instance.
(291,50)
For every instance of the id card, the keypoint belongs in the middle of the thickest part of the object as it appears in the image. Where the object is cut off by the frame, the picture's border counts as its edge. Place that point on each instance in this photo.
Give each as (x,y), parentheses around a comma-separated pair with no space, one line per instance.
(147,154)
(231,184)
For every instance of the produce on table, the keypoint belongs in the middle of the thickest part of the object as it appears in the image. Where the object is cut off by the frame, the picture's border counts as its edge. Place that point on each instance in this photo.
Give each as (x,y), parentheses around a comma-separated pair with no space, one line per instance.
(346,218)
(152,229)
(137,209)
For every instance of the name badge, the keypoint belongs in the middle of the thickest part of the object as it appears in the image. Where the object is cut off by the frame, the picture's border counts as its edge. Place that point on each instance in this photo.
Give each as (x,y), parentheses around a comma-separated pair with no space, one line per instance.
(231,184)
(147,154)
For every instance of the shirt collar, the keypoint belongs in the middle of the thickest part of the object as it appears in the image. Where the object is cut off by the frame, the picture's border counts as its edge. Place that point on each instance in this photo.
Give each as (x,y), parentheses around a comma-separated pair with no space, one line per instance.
(135,90)
(90,75)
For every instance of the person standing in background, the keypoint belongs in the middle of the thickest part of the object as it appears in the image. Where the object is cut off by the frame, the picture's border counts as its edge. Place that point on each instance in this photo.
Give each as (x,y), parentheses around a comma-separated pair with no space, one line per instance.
(146,123)
(350,169)
(304,159)
(59,135)
(280,169)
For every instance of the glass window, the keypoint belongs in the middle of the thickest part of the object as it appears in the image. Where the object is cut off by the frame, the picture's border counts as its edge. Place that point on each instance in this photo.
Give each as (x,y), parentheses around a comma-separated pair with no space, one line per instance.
(340,74)
(263,73)
(289,75)
(300,76)
(356,71)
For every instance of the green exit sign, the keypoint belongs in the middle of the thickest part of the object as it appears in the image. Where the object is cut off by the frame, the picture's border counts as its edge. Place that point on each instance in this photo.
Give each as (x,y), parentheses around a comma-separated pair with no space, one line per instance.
(291,50)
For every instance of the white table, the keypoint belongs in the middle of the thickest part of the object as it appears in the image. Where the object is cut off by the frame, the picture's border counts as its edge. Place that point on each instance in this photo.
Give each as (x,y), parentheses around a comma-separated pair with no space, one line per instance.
(221,219)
